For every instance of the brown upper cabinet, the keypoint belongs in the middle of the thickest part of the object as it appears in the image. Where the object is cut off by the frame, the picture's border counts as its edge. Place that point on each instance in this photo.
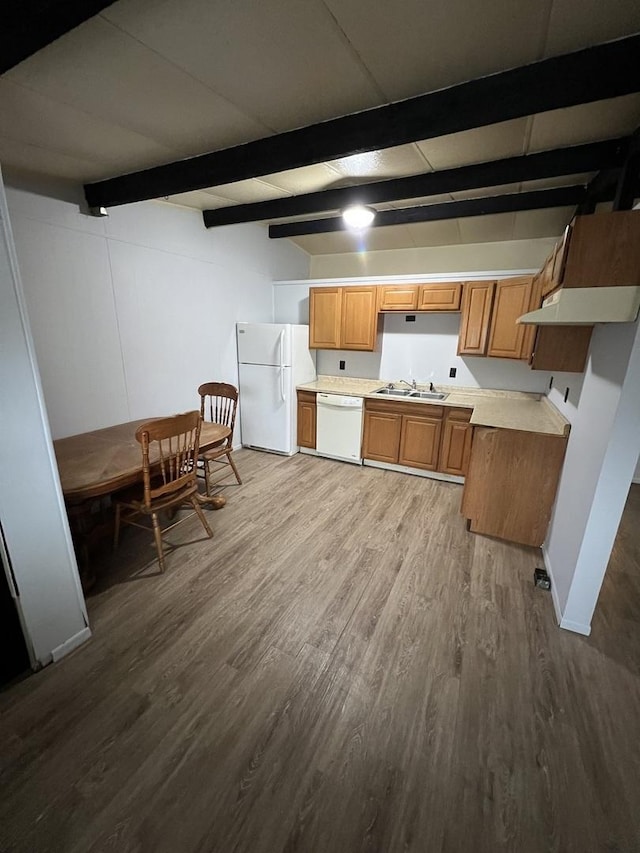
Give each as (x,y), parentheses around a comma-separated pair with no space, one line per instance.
(343,318)
(325,317)
(477,300)
(507,338)
(397,297)
(603,250)
(420,297)
(359,328)
(439,297)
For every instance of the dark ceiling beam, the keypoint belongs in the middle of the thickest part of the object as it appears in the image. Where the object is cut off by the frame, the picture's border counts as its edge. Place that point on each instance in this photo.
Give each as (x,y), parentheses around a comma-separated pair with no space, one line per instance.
(30,25)
(609,183)
(603,71)
(534,200)
(628,185)
(591,157)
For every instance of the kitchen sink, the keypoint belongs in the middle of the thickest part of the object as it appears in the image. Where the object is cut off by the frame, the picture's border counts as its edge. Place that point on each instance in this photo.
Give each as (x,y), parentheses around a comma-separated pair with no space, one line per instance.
(394,392)
(428,395)
(406,392)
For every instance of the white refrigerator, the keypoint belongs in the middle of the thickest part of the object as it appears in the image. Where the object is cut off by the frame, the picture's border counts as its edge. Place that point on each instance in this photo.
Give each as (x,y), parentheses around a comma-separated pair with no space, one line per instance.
(273,358)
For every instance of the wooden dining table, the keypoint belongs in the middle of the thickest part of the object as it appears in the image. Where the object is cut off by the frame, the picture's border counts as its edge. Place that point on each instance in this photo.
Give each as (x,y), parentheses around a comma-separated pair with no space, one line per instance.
(98,463)
(94,465)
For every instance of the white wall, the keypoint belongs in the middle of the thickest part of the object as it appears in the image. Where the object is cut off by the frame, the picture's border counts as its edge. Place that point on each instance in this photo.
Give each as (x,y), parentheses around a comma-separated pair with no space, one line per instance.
(510,254)
(601,456)
(424,350)
(131,312)
(31,506)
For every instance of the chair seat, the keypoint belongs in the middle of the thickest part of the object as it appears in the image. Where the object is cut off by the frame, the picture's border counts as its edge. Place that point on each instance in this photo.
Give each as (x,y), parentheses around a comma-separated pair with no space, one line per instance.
(135,501)
(170,470)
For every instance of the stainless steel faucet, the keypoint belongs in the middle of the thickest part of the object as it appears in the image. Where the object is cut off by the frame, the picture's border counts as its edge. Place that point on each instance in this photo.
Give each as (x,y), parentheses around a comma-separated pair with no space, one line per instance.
(411,384)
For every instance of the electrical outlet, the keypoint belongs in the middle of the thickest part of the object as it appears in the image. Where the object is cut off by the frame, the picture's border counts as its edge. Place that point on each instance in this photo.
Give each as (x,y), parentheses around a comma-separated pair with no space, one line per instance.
(541,579)
(410,318)
(342,365)
(452,372)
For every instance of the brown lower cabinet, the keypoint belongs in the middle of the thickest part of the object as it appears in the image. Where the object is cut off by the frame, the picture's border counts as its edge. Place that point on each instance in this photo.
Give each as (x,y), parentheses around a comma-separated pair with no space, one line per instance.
(306,419)
(418,435)
(511,483)
(455,449)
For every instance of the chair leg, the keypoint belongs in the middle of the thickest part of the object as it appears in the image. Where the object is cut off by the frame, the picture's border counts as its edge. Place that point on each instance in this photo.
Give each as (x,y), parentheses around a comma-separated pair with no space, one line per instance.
(116,529)
(206,476)
(157,532)
(233,465)
(201,516)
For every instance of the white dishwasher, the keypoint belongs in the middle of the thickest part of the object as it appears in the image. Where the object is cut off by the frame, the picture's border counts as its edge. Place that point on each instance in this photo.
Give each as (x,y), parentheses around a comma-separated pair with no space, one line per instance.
(339,427)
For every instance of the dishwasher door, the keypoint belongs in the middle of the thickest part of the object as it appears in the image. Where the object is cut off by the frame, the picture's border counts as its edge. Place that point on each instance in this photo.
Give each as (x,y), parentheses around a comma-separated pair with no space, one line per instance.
(339,427)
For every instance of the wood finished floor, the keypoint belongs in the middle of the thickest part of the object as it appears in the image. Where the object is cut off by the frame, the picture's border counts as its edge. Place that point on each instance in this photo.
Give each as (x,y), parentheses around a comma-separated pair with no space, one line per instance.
(342,668)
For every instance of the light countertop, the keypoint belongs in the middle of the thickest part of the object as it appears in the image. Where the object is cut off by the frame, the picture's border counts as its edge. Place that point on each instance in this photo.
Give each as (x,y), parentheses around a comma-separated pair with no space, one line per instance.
(517,410)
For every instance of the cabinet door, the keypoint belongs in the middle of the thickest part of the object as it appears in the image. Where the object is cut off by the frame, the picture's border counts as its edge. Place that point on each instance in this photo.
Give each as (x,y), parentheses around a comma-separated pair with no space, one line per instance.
(456,442)
(397,298)
(324,317)
(306,419)
(604,250)
(477,298)
(561,348)
(381,436)
(512,300)
(511,483)
(440,297)
(359,318)
(420,442)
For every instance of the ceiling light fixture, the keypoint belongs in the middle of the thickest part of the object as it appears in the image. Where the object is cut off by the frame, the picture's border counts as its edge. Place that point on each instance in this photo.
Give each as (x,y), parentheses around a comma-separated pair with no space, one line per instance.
(357,217)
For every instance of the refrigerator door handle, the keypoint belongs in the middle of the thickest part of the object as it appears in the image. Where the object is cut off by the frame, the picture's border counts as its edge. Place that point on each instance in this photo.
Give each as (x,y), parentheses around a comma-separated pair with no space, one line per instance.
(282,392)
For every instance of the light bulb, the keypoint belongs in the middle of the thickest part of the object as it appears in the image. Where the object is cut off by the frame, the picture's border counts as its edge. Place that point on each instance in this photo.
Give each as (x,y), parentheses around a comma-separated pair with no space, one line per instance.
(358,216)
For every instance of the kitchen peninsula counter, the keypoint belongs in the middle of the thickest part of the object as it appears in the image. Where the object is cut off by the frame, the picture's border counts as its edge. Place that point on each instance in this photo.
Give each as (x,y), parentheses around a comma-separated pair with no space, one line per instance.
(514,410)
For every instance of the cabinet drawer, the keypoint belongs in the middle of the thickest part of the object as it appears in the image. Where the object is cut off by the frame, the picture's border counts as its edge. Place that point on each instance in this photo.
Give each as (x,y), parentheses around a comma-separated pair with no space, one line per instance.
(397,298)
(440,297)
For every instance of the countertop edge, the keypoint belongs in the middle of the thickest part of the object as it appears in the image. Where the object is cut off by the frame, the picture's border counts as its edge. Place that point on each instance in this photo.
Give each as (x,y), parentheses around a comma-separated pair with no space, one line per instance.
(490,408)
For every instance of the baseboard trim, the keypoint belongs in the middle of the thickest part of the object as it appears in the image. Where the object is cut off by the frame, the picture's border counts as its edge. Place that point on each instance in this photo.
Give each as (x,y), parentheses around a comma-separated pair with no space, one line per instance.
(576,627)
(567,624)
(554,593)
(70,644)
(416,472)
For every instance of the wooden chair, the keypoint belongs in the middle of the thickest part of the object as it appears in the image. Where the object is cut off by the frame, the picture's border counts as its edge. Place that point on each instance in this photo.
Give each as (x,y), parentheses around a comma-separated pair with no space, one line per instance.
(218,404)
(169,463)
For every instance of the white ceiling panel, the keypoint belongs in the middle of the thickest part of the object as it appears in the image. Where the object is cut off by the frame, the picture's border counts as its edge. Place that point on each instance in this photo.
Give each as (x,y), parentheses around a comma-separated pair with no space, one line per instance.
(376,239)
(486,229)
(443,233)
(574,24)
(33,119)
(245,192)
(389,163)
(481,192)
(585,123)
(44,161)
(141,91)
(493,142)
(199,199)
(307,179)
(414,47)
(284,63)
(551,222)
